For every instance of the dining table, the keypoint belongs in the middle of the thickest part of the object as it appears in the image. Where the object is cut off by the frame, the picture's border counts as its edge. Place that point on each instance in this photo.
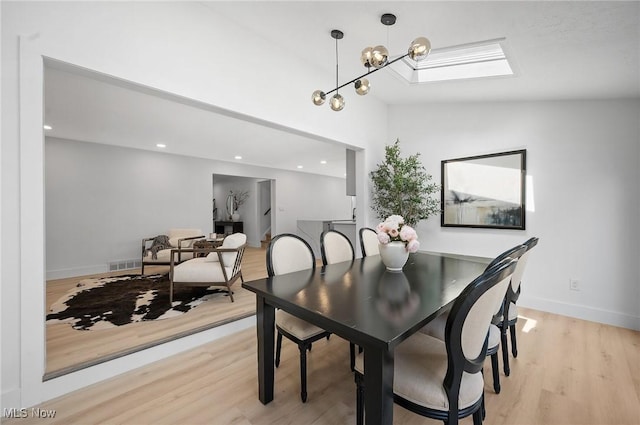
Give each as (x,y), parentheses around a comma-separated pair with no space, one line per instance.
(364,303)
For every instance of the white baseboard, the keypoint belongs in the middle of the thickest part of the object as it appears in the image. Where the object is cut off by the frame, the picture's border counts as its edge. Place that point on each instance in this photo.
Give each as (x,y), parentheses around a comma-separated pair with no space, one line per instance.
(254,244)
(607,317)
(10,400)
(76,271)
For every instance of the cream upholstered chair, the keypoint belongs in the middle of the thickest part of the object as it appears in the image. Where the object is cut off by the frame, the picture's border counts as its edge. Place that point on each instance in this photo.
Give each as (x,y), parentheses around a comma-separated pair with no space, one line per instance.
(436,327)
(443,379)
(221,267)
(369,242)
(510,310)
(494,336)
(288,253)
(335,247)
(156,251)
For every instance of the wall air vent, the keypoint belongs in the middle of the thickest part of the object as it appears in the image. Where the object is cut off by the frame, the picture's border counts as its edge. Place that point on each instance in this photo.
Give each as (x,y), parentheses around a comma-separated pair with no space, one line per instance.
(114,266)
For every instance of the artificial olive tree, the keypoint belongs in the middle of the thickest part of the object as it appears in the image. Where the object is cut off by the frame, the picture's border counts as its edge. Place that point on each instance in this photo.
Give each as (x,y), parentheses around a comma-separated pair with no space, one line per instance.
(401,186)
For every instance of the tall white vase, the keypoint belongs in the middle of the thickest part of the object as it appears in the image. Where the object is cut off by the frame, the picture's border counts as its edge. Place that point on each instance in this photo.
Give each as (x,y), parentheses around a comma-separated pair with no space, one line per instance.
(394,255)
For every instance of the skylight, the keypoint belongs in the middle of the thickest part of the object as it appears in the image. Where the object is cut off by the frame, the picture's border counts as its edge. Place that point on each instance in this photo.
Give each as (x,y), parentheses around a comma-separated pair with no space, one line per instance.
(475,60)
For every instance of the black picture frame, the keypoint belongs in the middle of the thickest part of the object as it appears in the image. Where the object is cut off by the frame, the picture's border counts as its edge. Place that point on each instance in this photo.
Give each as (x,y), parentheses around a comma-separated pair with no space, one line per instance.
(485,191)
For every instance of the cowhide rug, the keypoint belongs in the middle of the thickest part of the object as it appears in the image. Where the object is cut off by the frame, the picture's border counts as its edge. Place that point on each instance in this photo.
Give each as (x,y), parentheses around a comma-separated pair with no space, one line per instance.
(99,303)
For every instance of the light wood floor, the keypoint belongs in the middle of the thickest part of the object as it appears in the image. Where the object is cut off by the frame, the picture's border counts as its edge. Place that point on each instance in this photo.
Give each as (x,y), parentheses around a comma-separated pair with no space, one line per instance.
(69,349)
(568,372)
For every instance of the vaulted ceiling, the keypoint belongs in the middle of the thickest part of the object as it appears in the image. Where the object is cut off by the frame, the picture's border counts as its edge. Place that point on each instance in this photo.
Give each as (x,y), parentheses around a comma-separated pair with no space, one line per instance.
(559,50)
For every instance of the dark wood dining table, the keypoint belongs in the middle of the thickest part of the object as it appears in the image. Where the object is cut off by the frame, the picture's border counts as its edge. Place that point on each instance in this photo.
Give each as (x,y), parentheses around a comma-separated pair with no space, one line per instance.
(364,303)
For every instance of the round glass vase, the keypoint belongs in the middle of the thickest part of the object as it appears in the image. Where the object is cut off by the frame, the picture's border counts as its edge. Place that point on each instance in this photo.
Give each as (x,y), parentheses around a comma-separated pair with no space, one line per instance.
(394,255)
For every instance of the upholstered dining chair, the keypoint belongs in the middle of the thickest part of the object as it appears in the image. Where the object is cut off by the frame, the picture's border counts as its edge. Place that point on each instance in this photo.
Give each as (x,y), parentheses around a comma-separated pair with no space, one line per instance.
(221,267)
(335,247)
(495,337)
(369,242)
(288,253)
(443,379)
(436,327)
(508,317)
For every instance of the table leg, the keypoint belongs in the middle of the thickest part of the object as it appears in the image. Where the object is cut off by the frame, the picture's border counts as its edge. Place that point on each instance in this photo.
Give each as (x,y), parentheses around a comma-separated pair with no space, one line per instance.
(378,386)
(265,315)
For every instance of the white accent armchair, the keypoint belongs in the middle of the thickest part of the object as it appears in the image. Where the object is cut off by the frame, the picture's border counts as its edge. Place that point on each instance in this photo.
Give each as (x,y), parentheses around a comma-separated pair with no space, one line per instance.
(160,255)
(221,267)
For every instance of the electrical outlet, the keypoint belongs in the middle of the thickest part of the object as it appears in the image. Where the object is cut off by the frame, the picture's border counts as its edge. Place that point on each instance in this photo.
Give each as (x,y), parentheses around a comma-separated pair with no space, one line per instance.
(574,284)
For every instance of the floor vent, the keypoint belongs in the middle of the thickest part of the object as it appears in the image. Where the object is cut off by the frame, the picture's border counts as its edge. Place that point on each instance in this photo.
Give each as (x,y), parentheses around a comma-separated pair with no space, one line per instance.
(115,266)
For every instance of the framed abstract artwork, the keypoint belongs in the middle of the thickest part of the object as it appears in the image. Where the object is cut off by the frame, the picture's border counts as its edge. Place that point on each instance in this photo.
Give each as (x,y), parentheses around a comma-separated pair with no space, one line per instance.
(486,191)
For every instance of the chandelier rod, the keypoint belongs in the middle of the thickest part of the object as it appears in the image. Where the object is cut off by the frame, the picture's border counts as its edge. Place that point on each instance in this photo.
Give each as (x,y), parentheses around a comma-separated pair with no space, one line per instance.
(336,59)
(376,57)
(367,73)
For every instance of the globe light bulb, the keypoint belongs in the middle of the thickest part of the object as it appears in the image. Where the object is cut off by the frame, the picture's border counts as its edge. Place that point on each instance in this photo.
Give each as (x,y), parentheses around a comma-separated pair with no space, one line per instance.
(366,56)
(419,49)
(362,86)
(318,97)
(337,102)
(379,56)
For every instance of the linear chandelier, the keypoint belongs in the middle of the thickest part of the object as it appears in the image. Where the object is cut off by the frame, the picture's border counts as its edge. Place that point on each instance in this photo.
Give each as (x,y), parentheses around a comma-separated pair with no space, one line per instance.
(372,57)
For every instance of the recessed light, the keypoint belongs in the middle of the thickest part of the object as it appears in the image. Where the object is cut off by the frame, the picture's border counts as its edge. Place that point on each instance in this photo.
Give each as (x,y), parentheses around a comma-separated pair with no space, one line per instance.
(300,166)
(161,145)
(323,162)
(47,127)
(237,157)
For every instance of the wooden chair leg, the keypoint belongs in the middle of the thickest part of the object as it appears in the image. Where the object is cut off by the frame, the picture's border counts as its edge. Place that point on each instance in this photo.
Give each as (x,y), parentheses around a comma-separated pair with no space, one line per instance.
(278,349)
(496,372)
(477,417)
(359,399)
(505,351)
(514,343)
(230,292)
(303,372)
(352,356)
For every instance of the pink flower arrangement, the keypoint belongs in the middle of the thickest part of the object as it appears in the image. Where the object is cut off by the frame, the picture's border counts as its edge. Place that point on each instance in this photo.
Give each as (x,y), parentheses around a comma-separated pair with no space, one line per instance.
(394,229)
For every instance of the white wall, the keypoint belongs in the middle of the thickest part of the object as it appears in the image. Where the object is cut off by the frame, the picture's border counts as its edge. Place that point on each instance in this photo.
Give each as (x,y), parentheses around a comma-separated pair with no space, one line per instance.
(249,214)
(102,200)
(252,211)
(264,205)
(583,159)
(2,105)
(170,46)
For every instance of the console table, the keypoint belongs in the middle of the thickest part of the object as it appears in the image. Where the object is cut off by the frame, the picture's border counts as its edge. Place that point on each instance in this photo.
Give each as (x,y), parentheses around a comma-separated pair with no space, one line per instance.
(237,227)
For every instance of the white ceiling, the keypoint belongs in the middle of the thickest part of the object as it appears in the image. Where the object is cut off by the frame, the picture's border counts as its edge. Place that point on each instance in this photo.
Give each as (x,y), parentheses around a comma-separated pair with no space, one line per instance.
(90,107)
(560,50)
